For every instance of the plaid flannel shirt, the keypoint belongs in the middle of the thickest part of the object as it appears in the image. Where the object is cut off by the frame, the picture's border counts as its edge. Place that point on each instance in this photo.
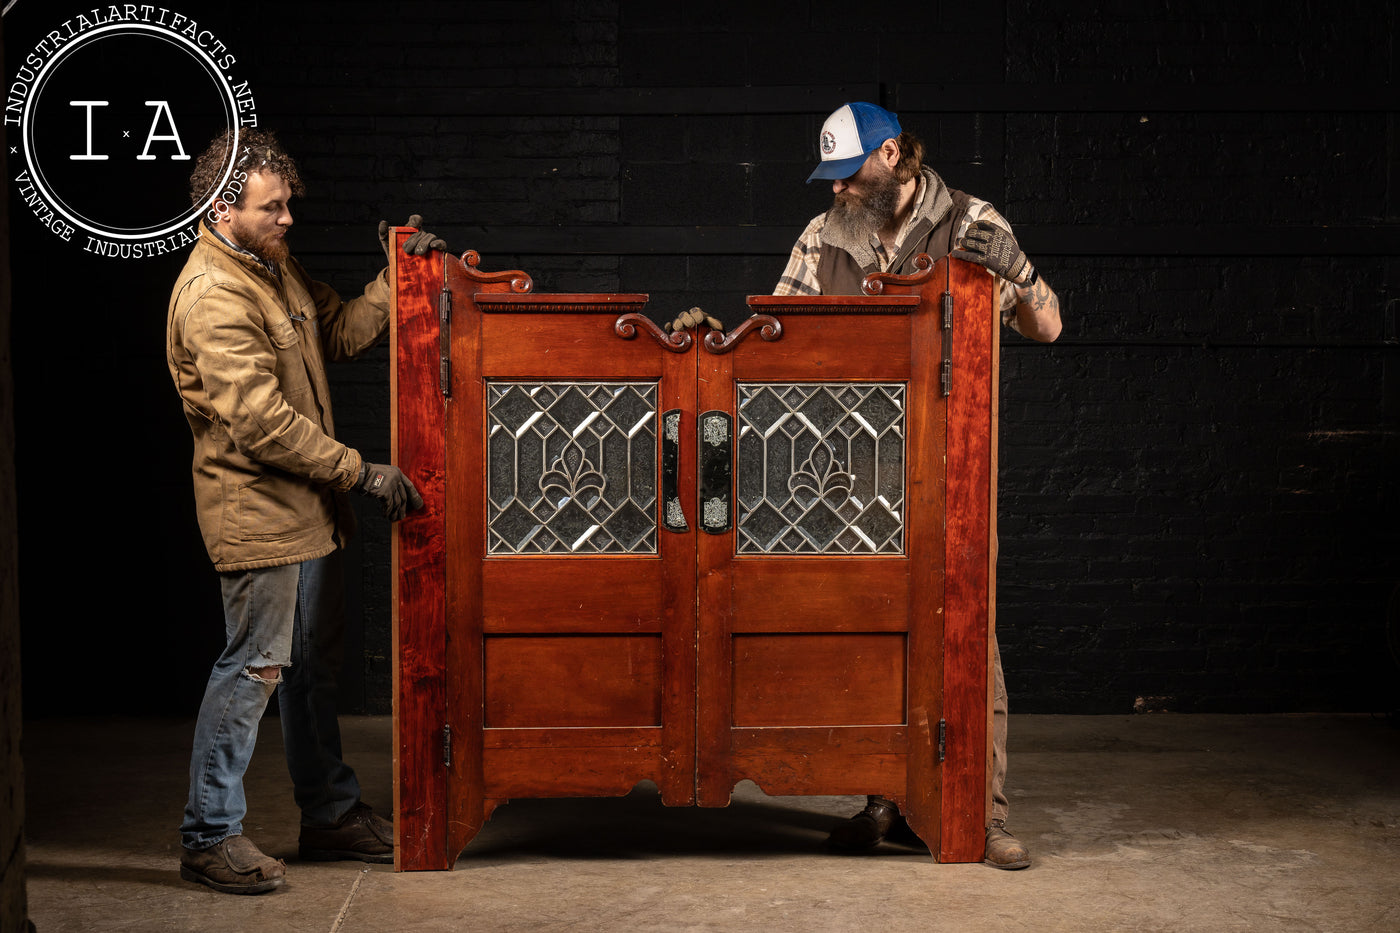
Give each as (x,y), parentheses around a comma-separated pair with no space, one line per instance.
(800,276)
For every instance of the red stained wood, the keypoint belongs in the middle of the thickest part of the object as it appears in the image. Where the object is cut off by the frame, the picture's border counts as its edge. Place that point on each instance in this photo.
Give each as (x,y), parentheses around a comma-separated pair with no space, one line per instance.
(573,594)
(608,680)
(562,347)
(469,804)
(969,572)
(817,598)
(554,772)
(857,348)
(504,612)
(858,677)
(695,668)
(417,439)
(818,680)
(574,737)
(781,772)
(884,741)
(921,796)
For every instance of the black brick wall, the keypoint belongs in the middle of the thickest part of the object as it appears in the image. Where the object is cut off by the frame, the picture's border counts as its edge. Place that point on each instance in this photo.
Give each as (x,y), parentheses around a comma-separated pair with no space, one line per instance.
(1197,485)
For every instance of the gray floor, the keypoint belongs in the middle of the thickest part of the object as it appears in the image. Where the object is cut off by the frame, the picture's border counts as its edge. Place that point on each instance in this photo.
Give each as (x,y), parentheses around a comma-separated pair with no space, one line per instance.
(1214,823)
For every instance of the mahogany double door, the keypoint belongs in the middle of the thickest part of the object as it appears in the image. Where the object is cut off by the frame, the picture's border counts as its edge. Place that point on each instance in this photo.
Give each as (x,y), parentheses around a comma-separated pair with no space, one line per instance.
(651,556)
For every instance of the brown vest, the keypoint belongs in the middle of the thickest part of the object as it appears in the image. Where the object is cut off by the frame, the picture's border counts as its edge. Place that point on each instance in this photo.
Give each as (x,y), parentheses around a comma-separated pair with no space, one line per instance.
(838,273)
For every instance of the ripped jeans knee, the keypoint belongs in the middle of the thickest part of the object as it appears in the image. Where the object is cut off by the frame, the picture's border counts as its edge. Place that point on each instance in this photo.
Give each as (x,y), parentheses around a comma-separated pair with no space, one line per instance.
(269,675)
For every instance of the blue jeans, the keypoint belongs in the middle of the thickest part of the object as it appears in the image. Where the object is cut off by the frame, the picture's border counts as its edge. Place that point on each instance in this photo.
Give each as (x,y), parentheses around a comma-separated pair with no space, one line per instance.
(287,623)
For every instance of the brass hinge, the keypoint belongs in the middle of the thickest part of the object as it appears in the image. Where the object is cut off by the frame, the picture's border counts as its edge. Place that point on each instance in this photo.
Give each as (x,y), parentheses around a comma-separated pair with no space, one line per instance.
(942,739)
(446,746)
(945,371)
(445,339)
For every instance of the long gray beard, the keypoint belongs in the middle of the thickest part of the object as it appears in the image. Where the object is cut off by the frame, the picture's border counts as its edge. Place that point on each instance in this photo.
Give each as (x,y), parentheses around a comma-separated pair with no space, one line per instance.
(857,218)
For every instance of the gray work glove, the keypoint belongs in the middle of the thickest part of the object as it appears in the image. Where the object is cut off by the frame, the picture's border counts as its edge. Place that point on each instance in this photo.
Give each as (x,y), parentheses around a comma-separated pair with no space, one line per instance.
(688,319)
(393,490)
(989,245)
(419,243)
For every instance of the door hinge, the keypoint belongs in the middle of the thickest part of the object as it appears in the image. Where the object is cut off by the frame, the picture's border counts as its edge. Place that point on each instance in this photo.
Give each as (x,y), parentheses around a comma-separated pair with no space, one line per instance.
(446,746)
(445,338)
(945,370)
(942,739)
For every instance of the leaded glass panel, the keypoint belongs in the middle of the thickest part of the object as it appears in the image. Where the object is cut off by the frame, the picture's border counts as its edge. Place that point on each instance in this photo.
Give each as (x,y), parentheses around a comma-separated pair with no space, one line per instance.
(571,468)
(820,468)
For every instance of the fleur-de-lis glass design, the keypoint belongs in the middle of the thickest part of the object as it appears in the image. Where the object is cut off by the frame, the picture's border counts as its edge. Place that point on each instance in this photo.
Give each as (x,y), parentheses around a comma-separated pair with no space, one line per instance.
(820,468)
(571,468)
(572,474)
(821,477)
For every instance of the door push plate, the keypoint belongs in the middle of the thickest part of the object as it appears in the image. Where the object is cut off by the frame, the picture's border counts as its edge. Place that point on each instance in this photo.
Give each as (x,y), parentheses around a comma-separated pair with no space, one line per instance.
(672,515)
(716,444)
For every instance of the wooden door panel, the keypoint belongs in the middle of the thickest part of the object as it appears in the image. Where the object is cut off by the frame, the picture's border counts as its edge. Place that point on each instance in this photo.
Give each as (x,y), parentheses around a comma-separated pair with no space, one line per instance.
(518,344)
(609,681)
(836,759)
(583,595)
(812,597)
(417,437)
(580,629)
(804,603)
(565,771)
(818,679)
(866,345)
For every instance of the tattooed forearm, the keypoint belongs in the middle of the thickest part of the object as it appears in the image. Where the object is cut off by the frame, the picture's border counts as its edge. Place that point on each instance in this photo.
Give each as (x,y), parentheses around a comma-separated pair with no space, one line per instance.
(1038,312)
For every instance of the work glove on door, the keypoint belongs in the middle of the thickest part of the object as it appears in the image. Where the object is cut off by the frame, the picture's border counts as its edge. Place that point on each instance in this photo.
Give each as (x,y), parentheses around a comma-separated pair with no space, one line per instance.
(689,319)
(419,243)
(994,247)
(393,490)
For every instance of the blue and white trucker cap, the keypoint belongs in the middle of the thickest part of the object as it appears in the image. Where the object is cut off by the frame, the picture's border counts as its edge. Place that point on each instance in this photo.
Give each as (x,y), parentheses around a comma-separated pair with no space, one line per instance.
(849,135)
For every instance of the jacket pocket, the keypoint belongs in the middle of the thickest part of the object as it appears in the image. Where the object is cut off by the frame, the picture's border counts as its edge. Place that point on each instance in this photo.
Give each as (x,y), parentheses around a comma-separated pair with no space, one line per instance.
(293,379)
(264,511)
(283,334)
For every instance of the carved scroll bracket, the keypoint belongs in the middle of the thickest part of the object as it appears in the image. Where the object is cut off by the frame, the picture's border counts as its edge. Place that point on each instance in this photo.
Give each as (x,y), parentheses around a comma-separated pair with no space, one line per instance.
(875,282)
(718,342)
(626,327)
(519,281)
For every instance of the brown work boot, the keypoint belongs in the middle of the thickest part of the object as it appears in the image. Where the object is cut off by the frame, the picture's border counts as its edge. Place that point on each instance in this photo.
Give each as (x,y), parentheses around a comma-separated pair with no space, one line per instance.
(233,866)
(362,835)
(1005,850)
(868,828)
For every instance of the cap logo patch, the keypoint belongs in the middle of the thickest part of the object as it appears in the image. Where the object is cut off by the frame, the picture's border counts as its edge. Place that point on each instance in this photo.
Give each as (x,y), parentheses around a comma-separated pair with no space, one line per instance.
(828,142)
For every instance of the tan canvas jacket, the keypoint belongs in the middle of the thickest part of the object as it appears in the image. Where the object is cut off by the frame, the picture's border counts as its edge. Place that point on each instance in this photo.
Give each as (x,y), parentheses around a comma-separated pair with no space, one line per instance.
(247,353)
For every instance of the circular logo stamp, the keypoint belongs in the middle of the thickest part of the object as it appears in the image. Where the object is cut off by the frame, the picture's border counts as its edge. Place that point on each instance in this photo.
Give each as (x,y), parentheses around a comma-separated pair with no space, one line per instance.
(828,142)
(104,118)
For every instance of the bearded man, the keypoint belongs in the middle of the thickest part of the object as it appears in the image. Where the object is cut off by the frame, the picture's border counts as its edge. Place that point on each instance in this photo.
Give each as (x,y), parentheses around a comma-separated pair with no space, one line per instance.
(248,333)
(888,208)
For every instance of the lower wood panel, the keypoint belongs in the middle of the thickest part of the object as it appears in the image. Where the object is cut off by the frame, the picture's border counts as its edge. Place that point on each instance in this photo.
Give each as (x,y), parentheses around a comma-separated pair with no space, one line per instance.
(819,679)
(572,680)
(835,760)
(571,772)
(573,738)
(797,775)
(820,594)
(574,594)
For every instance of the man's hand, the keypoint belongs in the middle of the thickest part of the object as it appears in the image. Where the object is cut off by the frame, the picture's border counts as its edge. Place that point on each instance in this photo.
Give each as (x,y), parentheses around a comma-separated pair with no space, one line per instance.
(393,490)
(688,319)
(989,245)
(419,243)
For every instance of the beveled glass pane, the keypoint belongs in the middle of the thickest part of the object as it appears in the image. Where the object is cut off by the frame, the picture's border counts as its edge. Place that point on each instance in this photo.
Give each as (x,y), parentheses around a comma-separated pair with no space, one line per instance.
(820,468)
(571,468)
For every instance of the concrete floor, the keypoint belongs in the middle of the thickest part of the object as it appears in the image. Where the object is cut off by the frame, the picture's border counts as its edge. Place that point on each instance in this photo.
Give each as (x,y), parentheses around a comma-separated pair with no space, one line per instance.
(1144,823)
